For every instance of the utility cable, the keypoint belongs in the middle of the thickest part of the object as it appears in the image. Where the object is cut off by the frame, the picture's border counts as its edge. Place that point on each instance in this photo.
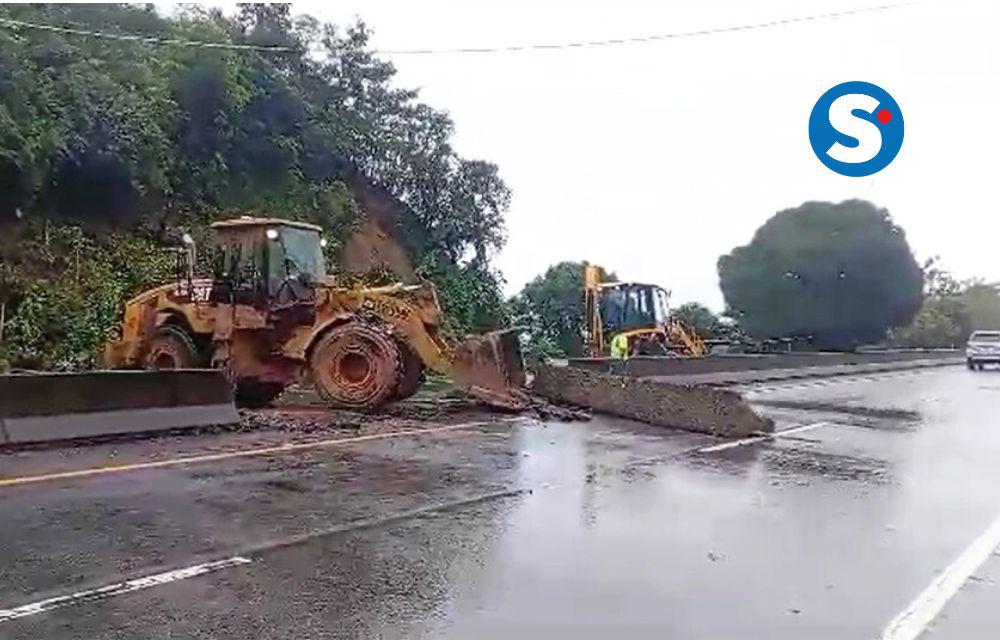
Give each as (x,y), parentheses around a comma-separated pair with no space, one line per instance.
(646,39)
(178,42)
(20,24)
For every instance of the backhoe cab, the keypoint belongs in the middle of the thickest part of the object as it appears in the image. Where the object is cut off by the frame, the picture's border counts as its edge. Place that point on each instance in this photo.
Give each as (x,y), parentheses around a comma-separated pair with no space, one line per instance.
(640,312)
(271,316)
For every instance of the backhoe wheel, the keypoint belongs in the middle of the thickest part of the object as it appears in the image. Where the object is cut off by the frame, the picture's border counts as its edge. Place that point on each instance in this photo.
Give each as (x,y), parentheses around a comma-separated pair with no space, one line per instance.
(412,376)
(171,348)
(251,393)
(355,366)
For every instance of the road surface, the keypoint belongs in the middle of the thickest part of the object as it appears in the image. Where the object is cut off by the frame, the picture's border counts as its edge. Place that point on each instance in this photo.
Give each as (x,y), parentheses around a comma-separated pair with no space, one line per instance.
(873,515)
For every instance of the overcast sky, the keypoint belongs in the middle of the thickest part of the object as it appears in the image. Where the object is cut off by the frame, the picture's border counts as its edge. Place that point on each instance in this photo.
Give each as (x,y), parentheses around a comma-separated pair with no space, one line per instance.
(654,159)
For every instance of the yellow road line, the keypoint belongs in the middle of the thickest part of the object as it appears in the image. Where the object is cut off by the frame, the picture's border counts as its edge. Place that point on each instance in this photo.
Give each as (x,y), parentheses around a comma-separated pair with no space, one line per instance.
(242,453)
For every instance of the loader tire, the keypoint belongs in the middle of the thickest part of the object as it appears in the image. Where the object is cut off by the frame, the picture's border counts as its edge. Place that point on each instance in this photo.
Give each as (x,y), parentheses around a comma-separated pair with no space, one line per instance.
(171,348)
(356,366)
(250,393)
(412,375)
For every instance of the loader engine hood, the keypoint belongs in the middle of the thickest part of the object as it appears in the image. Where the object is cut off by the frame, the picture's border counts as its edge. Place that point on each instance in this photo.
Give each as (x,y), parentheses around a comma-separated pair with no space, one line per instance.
(421,297)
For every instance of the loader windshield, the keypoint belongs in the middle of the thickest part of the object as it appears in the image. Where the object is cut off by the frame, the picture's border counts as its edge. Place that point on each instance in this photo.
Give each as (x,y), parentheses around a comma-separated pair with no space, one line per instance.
(296,252)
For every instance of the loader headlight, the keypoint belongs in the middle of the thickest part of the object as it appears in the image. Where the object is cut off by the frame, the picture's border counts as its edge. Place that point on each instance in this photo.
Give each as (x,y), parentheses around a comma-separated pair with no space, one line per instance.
(322,242)
(272,234)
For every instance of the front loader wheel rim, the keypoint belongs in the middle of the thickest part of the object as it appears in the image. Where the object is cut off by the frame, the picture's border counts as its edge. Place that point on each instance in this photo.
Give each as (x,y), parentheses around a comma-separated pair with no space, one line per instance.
(356,366)
(353,368)
(164,360)
(170,348)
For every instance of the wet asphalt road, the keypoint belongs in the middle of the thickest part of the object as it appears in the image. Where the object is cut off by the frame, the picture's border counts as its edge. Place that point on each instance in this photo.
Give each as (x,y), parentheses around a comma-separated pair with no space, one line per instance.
(619,528)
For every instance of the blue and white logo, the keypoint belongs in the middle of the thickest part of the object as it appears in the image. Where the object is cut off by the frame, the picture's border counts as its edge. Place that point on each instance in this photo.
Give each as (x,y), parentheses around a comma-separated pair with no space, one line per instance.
(856,128)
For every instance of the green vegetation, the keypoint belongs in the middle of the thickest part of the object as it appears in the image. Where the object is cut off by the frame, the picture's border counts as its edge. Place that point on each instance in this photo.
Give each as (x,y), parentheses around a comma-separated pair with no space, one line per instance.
(107,147)
(550,310)
(950,312)
(840,273)
(699,318)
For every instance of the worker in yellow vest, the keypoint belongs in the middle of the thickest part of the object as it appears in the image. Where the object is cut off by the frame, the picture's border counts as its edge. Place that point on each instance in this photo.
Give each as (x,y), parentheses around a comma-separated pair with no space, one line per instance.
(619,346)
(619,353)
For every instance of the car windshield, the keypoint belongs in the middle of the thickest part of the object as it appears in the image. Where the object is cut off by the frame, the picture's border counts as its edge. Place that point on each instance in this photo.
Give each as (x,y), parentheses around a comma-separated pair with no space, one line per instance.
(985,336)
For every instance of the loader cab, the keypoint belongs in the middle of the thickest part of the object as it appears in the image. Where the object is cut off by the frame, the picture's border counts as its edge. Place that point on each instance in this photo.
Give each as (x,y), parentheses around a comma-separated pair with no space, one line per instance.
(263,261)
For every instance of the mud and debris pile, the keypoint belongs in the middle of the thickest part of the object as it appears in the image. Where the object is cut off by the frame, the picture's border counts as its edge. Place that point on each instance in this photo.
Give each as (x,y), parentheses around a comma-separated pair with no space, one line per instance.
(719,412)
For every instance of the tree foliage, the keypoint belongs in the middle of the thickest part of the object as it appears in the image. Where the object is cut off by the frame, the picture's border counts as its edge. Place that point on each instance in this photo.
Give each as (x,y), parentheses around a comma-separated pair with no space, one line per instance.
(63,290)
(550,310)
(938,324)
(981,307)
(840,273)
(125,139)
(699,318)
(951,311)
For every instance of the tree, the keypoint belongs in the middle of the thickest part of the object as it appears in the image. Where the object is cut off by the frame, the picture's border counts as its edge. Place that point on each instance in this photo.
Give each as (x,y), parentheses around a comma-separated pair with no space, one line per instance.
(123,140)
(840,273)
(938,324)
(698,317)
(550,309)
(951,310)
(981,302)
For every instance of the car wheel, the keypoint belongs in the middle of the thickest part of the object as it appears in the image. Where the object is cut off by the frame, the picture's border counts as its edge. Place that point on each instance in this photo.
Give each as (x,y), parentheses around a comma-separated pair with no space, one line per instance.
(971,365)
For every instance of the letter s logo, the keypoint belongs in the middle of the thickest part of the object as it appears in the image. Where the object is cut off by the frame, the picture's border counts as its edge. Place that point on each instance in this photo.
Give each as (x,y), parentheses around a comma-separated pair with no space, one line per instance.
(856,129)
(864,131)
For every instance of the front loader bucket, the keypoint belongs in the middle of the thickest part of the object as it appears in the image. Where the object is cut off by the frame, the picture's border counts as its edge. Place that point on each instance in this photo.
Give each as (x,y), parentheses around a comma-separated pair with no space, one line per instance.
(491,368)
(65,406)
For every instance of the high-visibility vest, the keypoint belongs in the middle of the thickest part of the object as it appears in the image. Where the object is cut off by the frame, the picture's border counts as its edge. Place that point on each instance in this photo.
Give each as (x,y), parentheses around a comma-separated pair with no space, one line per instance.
(619,346)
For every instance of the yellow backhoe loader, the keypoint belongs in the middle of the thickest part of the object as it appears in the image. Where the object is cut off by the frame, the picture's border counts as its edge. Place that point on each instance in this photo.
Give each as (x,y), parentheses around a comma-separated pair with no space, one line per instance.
(271,316)
(638,312)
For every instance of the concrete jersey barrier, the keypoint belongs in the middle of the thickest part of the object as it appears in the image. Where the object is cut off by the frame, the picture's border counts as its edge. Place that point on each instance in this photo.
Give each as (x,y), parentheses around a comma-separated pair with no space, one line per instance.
(62,406)
(643,366)
(703,409)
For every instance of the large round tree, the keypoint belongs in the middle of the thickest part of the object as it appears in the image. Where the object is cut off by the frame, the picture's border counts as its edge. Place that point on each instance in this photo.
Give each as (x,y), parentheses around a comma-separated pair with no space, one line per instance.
(840,273)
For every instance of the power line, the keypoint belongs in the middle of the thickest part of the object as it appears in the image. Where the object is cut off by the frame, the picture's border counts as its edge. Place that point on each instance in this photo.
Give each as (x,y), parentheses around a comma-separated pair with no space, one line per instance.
(644,39)
(180,42)
(177,42)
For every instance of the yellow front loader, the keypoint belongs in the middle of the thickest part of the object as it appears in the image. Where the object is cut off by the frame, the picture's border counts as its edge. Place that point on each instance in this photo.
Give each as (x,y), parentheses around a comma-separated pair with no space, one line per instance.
(270,316)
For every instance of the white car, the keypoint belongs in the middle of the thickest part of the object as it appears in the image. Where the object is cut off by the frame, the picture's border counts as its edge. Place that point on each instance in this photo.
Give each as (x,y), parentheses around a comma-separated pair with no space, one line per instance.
(983,348)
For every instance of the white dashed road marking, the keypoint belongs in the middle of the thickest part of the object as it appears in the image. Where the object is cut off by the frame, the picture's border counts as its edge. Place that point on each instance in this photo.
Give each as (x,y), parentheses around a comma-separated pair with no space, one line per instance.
(155,580)
(915,619)
(119,588)
(754,439)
